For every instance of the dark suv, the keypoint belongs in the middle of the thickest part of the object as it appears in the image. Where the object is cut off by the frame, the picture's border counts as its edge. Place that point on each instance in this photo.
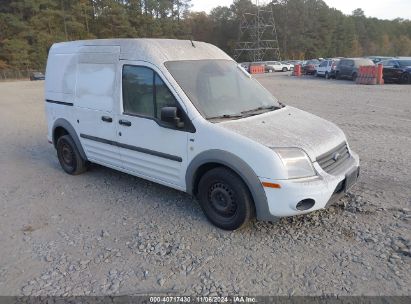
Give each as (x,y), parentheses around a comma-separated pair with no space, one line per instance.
(348,67)
(397,70)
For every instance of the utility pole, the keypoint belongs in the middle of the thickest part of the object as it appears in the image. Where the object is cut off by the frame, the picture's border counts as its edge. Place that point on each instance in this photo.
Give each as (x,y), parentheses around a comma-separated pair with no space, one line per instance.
(258,36)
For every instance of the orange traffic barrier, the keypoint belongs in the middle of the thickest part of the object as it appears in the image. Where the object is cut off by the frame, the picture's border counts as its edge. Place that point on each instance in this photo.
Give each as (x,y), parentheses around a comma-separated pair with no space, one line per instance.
(257,69)
(370,75)
(297,70)
(380,79)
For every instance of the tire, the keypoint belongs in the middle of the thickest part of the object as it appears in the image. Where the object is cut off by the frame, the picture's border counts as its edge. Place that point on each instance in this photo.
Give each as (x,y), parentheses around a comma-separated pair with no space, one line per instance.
(285,69)
(225,199)
(337,76)
(405,78)
(327,75)
(354,77)
(69,156)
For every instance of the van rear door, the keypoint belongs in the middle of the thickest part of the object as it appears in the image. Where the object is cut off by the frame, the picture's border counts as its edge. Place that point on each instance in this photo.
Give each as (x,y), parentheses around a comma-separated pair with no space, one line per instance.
(96,97)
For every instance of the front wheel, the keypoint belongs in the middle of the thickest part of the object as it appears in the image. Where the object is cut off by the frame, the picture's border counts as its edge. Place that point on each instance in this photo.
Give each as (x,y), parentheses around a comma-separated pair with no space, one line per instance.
(327,76)
(69,156)
(225,199)
(284,69)
(354,77)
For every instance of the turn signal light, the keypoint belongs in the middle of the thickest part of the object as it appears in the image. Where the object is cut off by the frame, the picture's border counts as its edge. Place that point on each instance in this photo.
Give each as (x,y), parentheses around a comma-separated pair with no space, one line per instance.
(271,185)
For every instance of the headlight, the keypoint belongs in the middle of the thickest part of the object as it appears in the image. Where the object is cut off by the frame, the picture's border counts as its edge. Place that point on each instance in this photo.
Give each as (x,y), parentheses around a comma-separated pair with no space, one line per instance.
(296,161)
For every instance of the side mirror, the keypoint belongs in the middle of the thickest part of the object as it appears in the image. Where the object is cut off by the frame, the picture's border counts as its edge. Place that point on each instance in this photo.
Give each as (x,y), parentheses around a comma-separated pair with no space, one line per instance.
(169,115)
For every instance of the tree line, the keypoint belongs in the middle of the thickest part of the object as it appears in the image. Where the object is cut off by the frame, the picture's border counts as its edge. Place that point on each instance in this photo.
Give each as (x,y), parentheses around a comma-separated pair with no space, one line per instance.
(305,28)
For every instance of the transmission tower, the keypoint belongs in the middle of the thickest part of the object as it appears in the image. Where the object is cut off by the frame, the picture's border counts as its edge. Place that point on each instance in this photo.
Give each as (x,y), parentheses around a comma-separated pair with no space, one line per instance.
(258,36)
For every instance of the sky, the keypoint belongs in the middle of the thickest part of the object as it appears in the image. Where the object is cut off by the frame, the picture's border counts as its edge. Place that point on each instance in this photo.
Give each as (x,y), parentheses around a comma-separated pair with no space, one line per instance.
(382,9)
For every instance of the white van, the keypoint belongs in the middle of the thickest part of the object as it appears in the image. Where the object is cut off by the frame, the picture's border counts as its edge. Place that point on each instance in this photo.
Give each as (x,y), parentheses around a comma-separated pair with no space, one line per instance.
(185,115)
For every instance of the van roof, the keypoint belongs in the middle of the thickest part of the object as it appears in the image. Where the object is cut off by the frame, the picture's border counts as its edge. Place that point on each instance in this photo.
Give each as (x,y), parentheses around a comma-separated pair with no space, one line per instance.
(156,51)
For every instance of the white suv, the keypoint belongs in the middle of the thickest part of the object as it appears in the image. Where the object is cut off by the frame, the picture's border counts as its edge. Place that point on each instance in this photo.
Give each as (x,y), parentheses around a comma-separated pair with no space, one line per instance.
(277,66)
(327,68)
(185,115)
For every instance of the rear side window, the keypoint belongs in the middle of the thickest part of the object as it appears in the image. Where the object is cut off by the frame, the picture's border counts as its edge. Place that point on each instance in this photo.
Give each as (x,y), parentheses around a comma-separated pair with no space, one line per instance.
(95,86)
(144,92)
(392,63)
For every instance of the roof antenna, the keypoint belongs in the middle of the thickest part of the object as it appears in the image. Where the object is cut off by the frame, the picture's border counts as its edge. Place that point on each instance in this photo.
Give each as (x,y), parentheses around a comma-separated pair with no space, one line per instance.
(192,43)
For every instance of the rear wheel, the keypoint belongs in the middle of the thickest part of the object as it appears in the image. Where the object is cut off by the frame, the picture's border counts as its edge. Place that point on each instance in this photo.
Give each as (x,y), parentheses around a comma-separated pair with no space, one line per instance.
(225,199)
(405,78)
(69,156)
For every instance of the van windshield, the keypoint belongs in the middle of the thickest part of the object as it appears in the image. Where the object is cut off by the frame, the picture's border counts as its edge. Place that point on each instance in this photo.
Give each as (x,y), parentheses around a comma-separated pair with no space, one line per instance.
(221,89)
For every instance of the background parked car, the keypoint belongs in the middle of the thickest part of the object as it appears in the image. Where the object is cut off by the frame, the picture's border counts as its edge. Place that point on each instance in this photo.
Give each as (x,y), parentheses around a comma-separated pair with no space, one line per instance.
(288,64)
(310,67)
(377,59)
(277,66)
(327,68)
(397,70)
(348,67)
(295,62)
(245,66)
(37,76)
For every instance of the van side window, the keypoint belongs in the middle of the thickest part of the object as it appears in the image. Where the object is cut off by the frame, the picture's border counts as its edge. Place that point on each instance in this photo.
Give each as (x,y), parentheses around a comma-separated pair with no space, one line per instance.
(138,91)
(144,93)
(164,98)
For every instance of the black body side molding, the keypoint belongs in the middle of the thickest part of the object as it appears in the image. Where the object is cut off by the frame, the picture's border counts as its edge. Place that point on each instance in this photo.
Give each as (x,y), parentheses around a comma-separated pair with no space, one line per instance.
(133,148)
(69,104)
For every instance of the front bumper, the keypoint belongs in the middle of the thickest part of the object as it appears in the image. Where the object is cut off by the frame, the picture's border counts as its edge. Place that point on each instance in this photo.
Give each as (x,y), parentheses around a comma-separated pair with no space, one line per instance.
(322,189)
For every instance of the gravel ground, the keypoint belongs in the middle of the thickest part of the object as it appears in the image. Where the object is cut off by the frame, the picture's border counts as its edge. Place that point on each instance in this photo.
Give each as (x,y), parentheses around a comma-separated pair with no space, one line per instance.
(105,232)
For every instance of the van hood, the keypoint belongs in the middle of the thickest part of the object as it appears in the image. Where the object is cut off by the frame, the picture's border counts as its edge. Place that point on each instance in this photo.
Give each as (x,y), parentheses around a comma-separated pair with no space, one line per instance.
(289,127)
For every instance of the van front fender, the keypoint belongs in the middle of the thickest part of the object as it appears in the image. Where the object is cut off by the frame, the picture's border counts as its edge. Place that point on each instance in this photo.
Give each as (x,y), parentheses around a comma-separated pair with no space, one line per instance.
(240,167)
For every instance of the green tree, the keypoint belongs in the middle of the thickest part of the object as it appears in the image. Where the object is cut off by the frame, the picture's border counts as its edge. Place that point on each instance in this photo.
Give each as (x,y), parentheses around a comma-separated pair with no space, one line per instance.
(305,28)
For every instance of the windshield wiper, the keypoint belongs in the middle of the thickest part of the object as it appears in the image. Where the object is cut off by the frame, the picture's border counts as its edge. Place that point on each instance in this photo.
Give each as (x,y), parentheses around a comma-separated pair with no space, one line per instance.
(248,113)
(259,110)
(226,116)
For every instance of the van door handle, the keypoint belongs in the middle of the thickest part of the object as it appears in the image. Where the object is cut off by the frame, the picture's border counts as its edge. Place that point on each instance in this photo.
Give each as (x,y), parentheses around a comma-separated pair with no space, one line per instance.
(125,123)
(107,119)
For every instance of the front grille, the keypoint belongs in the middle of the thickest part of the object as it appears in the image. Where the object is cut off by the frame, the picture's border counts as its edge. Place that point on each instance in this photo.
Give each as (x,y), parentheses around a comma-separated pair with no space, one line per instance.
(333,159)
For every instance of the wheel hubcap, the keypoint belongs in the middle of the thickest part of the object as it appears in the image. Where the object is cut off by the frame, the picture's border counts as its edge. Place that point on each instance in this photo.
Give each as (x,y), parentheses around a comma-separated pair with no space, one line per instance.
(67,154)
(221,198)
